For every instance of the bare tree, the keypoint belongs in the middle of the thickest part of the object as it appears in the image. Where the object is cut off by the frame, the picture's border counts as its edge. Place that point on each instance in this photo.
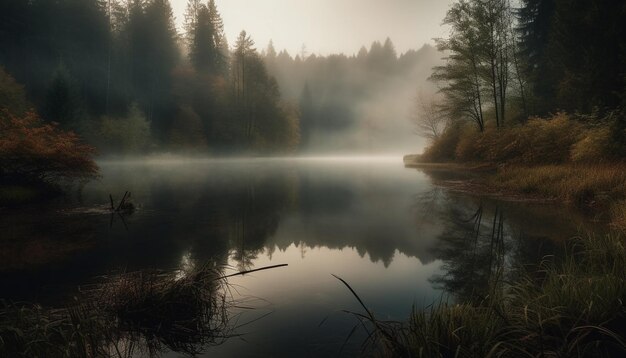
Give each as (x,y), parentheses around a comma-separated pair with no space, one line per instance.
(429,120)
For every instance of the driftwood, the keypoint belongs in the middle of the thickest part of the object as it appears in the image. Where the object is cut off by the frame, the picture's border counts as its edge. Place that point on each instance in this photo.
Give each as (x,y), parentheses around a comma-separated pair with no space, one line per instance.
(125,206)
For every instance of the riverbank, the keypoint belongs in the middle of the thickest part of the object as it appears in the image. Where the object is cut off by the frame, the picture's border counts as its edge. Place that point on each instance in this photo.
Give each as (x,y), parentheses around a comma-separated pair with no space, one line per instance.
(568,307)
(597,188)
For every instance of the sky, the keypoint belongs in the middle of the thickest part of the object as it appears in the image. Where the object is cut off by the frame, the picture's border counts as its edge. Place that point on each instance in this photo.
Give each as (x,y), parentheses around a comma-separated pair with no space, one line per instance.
(330,26)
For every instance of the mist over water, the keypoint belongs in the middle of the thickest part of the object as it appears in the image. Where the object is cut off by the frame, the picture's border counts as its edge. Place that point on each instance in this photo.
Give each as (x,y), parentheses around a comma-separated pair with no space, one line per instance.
(227,177)
(397,238)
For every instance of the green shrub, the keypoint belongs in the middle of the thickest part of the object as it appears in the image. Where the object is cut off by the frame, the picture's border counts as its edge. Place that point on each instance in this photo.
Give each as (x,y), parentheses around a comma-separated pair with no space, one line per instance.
(129,134)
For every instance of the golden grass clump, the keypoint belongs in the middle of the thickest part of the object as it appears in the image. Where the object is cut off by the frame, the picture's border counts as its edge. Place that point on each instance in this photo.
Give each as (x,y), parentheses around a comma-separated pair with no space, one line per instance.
(581,185)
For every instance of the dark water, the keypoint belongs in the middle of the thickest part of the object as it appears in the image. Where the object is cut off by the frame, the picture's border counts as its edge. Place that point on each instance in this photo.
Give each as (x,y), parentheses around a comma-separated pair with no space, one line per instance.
(395,237)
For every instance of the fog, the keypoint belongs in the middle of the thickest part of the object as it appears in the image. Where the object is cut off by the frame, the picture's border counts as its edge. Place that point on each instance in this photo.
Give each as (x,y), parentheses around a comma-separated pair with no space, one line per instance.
(145,78)
(357,104)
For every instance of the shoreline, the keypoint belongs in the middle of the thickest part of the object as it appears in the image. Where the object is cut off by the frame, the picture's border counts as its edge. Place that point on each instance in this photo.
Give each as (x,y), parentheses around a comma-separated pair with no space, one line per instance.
(593,188)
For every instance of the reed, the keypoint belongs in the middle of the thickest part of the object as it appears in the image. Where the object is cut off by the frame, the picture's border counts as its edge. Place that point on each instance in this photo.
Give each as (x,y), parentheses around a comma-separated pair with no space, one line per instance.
(573,307)
(123,315)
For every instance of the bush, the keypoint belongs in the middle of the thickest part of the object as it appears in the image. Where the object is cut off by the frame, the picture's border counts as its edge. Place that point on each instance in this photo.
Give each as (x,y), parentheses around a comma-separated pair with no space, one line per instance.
(36,152)
(467,147)
(127,134)
(444,148)
(537,142)
(594,145)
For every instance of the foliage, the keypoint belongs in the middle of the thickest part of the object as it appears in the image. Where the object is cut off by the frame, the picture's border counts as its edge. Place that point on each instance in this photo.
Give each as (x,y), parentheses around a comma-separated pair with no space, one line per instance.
(93,66)
(205,37)
(203,50)
(12,96)
(31,150)
(563,57)
(187,131)
(129,134)
(594,146)
(261,122)
(480,61)
(575,54)
(559,139)
(444,148)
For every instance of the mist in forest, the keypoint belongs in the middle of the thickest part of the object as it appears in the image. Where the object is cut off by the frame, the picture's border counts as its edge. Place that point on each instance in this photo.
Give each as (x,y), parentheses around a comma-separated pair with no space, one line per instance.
(356,104)
(159,76)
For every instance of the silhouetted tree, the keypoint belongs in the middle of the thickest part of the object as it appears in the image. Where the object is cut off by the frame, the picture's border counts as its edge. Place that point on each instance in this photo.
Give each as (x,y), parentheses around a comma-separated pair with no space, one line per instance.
(203,52)
(62,102)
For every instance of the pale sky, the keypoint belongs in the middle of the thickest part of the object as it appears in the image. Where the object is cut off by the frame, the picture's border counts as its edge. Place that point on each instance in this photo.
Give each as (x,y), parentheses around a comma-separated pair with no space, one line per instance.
(330,26)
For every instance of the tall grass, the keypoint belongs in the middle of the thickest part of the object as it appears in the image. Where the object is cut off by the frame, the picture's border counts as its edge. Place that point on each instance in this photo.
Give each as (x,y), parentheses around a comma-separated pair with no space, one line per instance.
(580,184)
(572,307)
(121,316)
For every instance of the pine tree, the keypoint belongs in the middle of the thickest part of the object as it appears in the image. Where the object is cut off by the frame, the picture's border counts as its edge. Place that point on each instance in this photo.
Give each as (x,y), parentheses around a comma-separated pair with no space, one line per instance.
(203,52)
(219,39)
(191,19)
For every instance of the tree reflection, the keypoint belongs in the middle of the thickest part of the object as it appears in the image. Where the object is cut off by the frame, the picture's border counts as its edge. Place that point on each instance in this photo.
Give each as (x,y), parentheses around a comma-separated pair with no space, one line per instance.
(481,247)
(251,216)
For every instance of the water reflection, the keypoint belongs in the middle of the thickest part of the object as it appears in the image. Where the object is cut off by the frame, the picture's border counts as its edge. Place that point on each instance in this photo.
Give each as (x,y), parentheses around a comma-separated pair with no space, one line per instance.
(483,241)
(124,315)
(392,234)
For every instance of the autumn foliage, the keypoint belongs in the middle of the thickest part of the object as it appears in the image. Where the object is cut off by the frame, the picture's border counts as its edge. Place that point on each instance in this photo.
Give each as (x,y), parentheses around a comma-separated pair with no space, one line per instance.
(38,152)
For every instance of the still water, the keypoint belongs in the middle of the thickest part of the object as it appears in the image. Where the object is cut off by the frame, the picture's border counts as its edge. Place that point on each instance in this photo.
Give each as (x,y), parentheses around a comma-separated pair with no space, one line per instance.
(396,236)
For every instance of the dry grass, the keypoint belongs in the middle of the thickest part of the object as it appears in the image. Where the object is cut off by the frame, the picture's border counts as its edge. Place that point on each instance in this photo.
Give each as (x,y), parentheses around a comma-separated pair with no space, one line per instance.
(601,187)
(125,315)
(568,308)
(618,213)
(582,185)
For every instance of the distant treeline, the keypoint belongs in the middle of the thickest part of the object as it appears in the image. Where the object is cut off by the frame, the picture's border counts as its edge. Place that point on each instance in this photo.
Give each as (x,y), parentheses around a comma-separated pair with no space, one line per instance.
(560,60)
(118,73)
(352,96)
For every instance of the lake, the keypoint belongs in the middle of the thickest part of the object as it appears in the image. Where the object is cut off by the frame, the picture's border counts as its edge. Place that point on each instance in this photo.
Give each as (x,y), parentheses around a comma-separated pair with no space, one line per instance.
(395,236)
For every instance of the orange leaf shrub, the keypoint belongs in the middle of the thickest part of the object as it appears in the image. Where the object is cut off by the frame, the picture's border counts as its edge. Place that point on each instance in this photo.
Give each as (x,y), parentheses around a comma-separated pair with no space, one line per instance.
(37,152)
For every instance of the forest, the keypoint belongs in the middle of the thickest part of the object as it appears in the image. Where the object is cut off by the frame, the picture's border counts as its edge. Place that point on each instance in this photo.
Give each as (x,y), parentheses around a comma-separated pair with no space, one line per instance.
(357,103)
(272,212)
(120,75)
(541,84)
(125,81)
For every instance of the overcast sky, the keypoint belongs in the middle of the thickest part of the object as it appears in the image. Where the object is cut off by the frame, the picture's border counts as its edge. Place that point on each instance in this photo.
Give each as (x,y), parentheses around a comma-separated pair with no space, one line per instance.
(330,26)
